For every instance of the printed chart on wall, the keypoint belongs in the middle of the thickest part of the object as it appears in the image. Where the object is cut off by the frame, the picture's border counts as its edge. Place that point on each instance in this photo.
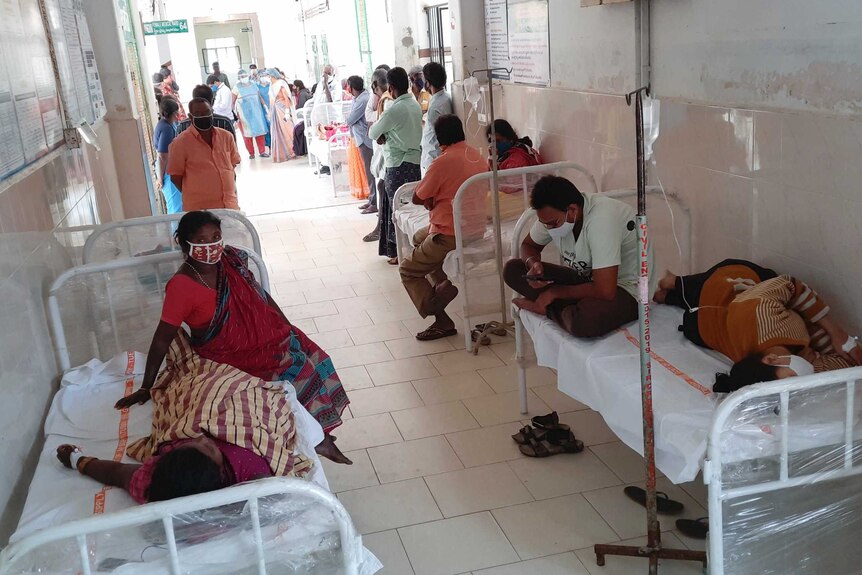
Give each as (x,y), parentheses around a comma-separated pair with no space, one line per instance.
(497,36)
(529,41)
(30,115)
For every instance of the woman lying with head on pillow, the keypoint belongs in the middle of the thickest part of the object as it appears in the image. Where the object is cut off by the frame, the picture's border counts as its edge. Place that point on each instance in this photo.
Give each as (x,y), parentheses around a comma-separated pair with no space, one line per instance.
(213,426)
(771,326)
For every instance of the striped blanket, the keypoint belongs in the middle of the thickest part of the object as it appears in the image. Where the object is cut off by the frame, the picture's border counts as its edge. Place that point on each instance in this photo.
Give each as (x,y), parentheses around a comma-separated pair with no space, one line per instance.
(195,396)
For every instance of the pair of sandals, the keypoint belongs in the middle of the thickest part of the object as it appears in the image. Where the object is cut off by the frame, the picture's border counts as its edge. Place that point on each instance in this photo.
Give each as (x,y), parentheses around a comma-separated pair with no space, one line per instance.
(479,333)
(694,528)
(547,437)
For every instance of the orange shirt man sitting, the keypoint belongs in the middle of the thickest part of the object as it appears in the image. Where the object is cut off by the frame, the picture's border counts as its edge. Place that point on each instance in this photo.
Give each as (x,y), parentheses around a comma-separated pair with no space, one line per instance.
(202,160)
(422,271)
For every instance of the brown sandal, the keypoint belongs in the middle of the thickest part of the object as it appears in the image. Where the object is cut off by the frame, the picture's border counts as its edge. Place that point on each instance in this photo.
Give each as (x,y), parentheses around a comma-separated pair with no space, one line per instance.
(550,421)
(433,333)
(527,433)
(554,442)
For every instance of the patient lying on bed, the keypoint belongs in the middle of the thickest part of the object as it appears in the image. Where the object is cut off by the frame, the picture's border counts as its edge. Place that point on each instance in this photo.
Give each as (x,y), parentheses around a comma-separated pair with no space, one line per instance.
(771,326)
(213,426)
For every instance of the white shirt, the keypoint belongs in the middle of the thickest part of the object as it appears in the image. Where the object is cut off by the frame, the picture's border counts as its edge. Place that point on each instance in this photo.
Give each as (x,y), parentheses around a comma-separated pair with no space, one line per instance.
(334,89)
(439,105)
(608,238)
(223,104)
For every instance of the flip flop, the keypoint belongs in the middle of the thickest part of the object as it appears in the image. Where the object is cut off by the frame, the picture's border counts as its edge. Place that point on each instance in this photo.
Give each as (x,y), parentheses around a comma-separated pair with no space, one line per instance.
(664,504)
(433,333)
(555,442)
(550,421)
(694,528)
(500,331)
(476,334)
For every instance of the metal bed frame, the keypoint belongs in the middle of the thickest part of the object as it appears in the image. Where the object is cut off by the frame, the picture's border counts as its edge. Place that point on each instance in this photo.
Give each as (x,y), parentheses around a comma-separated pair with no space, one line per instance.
(55,319)
(98,232)
(404,194)
(164,511)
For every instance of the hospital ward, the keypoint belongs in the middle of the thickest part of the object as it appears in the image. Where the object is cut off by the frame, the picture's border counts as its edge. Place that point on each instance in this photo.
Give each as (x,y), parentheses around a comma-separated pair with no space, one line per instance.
(430,287)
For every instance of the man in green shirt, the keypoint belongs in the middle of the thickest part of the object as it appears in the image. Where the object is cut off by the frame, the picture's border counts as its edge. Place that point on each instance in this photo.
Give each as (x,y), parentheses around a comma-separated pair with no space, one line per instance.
(399,130)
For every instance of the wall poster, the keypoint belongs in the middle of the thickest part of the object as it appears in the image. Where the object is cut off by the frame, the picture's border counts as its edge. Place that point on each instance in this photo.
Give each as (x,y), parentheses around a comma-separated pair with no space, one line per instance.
(529,42)
(497,36)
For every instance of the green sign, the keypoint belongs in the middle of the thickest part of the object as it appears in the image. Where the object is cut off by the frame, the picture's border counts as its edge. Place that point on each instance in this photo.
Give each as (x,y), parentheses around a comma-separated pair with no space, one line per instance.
(165,27)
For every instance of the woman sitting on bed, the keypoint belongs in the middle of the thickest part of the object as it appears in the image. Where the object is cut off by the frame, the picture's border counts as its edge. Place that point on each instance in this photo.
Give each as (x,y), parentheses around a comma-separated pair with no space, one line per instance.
(213,426)
(771,326)
(234,321)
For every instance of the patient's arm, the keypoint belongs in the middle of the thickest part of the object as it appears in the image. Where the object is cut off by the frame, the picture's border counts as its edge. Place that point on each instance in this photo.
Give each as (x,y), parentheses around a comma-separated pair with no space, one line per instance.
(603,286)
(102,470)
(162,339)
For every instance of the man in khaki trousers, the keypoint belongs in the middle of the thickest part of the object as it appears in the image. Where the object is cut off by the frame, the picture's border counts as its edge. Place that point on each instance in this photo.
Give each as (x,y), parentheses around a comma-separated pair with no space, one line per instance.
(422,271)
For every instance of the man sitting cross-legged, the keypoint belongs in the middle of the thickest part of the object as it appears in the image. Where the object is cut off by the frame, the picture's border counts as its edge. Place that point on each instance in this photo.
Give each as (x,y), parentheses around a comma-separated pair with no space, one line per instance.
(595,292)
(422,271)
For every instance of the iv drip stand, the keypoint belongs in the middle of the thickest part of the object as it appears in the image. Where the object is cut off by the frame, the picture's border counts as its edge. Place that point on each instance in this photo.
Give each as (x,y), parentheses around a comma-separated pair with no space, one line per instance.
(653,550)
(492,326)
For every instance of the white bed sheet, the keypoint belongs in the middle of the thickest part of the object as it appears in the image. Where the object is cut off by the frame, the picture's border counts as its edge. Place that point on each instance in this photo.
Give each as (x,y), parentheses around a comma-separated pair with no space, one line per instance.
(604,374)
(82,414)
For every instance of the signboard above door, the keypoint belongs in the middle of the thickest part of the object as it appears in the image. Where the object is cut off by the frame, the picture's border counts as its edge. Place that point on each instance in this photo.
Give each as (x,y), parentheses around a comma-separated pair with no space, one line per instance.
(158,27)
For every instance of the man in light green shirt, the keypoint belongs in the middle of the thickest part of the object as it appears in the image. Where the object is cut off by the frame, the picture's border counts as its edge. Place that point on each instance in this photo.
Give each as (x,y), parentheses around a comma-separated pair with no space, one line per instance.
(596,290)
(399,130)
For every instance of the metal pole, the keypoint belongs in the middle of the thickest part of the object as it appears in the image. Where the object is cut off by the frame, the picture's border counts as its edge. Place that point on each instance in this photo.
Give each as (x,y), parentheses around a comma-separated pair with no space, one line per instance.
(495,198)
(653,549)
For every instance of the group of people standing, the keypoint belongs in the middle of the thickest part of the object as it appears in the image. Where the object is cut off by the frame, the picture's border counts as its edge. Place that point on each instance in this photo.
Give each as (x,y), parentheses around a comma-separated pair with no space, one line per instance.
(196,171)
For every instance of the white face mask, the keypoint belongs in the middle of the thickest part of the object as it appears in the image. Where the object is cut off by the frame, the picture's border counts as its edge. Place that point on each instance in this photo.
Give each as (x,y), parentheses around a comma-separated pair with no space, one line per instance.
(799,365)
(564,230)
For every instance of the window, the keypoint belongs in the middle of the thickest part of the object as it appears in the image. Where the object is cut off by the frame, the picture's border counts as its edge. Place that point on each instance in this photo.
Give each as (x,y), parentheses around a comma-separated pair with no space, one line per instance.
(224,51)
(439,34)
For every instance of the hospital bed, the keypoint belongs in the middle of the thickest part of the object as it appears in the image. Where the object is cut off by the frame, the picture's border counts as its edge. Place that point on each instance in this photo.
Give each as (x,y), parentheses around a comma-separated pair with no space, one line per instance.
(472,266)
(782,460)
(278,525)
(331,151)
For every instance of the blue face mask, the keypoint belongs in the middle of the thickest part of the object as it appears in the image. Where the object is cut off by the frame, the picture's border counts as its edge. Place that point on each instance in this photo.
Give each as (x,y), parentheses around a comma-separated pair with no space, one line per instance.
(214,88)
(503,147)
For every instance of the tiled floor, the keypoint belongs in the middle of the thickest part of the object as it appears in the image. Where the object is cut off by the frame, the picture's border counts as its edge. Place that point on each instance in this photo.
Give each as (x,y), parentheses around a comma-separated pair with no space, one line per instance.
(437,485)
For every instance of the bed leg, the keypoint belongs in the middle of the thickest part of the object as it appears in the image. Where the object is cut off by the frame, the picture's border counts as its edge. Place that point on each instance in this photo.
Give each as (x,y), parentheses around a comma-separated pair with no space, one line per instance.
(522,364)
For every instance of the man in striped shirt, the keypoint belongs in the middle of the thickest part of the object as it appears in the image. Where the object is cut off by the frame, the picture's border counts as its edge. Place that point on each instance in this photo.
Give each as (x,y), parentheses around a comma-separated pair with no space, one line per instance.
(771,326)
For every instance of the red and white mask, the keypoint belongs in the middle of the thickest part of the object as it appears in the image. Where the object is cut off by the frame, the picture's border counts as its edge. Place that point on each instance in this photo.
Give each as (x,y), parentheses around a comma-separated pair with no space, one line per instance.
(206,253)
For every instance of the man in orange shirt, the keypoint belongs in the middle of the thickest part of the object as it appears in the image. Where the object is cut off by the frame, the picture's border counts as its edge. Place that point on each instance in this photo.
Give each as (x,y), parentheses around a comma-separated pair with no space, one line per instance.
(202,161)
(422,271)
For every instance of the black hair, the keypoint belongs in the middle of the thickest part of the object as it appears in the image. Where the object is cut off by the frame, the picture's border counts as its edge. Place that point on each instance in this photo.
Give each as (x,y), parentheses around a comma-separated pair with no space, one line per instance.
(215,64)
(205,92)
(194,101)
(506,130)
(383,67)
(314,88)
(252,66)
(212,79)
(168,107)
(556,192)
(449,130)
(166,72)
(300,85)
(356,83)
(435,75)
(397,78)
(184,471)
(190,224)
(158,78)
(745,372)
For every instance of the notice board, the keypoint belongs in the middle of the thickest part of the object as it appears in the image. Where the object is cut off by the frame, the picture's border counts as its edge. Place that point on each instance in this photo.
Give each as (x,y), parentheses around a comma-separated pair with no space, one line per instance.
(517,36)
(31,121)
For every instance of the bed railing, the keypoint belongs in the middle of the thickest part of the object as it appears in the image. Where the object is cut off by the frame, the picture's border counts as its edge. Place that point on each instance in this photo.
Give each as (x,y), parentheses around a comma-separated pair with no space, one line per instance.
(130,286)
(765,515)
(163,512)
(101,233)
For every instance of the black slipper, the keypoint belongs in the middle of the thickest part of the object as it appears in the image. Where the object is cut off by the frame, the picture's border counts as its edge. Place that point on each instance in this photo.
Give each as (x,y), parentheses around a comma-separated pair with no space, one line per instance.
(694,528)
(664,504)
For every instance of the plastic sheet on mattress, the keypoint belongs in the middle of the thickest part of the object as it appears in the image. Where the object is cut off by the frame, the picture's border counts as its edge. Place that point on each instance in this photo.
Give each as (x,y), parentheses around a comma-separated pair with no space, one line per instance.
(299,535)
(779,527)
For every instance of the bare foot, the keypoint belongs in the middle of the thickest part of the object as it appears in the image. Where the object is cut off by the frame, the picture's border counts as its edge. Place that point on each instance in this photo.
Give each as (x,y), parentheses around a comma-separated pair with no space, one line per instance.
(329,450)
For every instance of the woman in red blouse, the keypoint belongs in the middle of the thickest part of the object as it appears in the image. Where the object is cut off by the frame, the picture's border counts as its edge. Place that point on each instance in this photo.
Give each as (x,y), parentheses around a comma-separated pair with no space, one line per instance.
(512,151)
(234,321)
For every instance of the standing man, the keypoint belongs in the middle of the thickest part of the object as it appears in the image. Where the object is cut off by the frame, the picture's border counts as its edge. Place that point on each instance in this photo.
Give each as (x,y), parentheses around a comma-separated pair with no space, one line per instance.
(439,105)
(380,90)
(202,161)
(223,122)
(218,74)
(223,99)
(596,291)
(422,271)
(417,88)
(329,89)
(399,129)
(359,129)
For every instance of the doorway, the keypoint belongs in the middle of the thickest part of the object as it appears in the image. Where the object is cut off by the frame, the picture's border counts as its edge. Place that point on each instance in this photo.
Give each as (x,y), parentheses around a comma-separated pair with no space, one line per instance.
(228,43)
